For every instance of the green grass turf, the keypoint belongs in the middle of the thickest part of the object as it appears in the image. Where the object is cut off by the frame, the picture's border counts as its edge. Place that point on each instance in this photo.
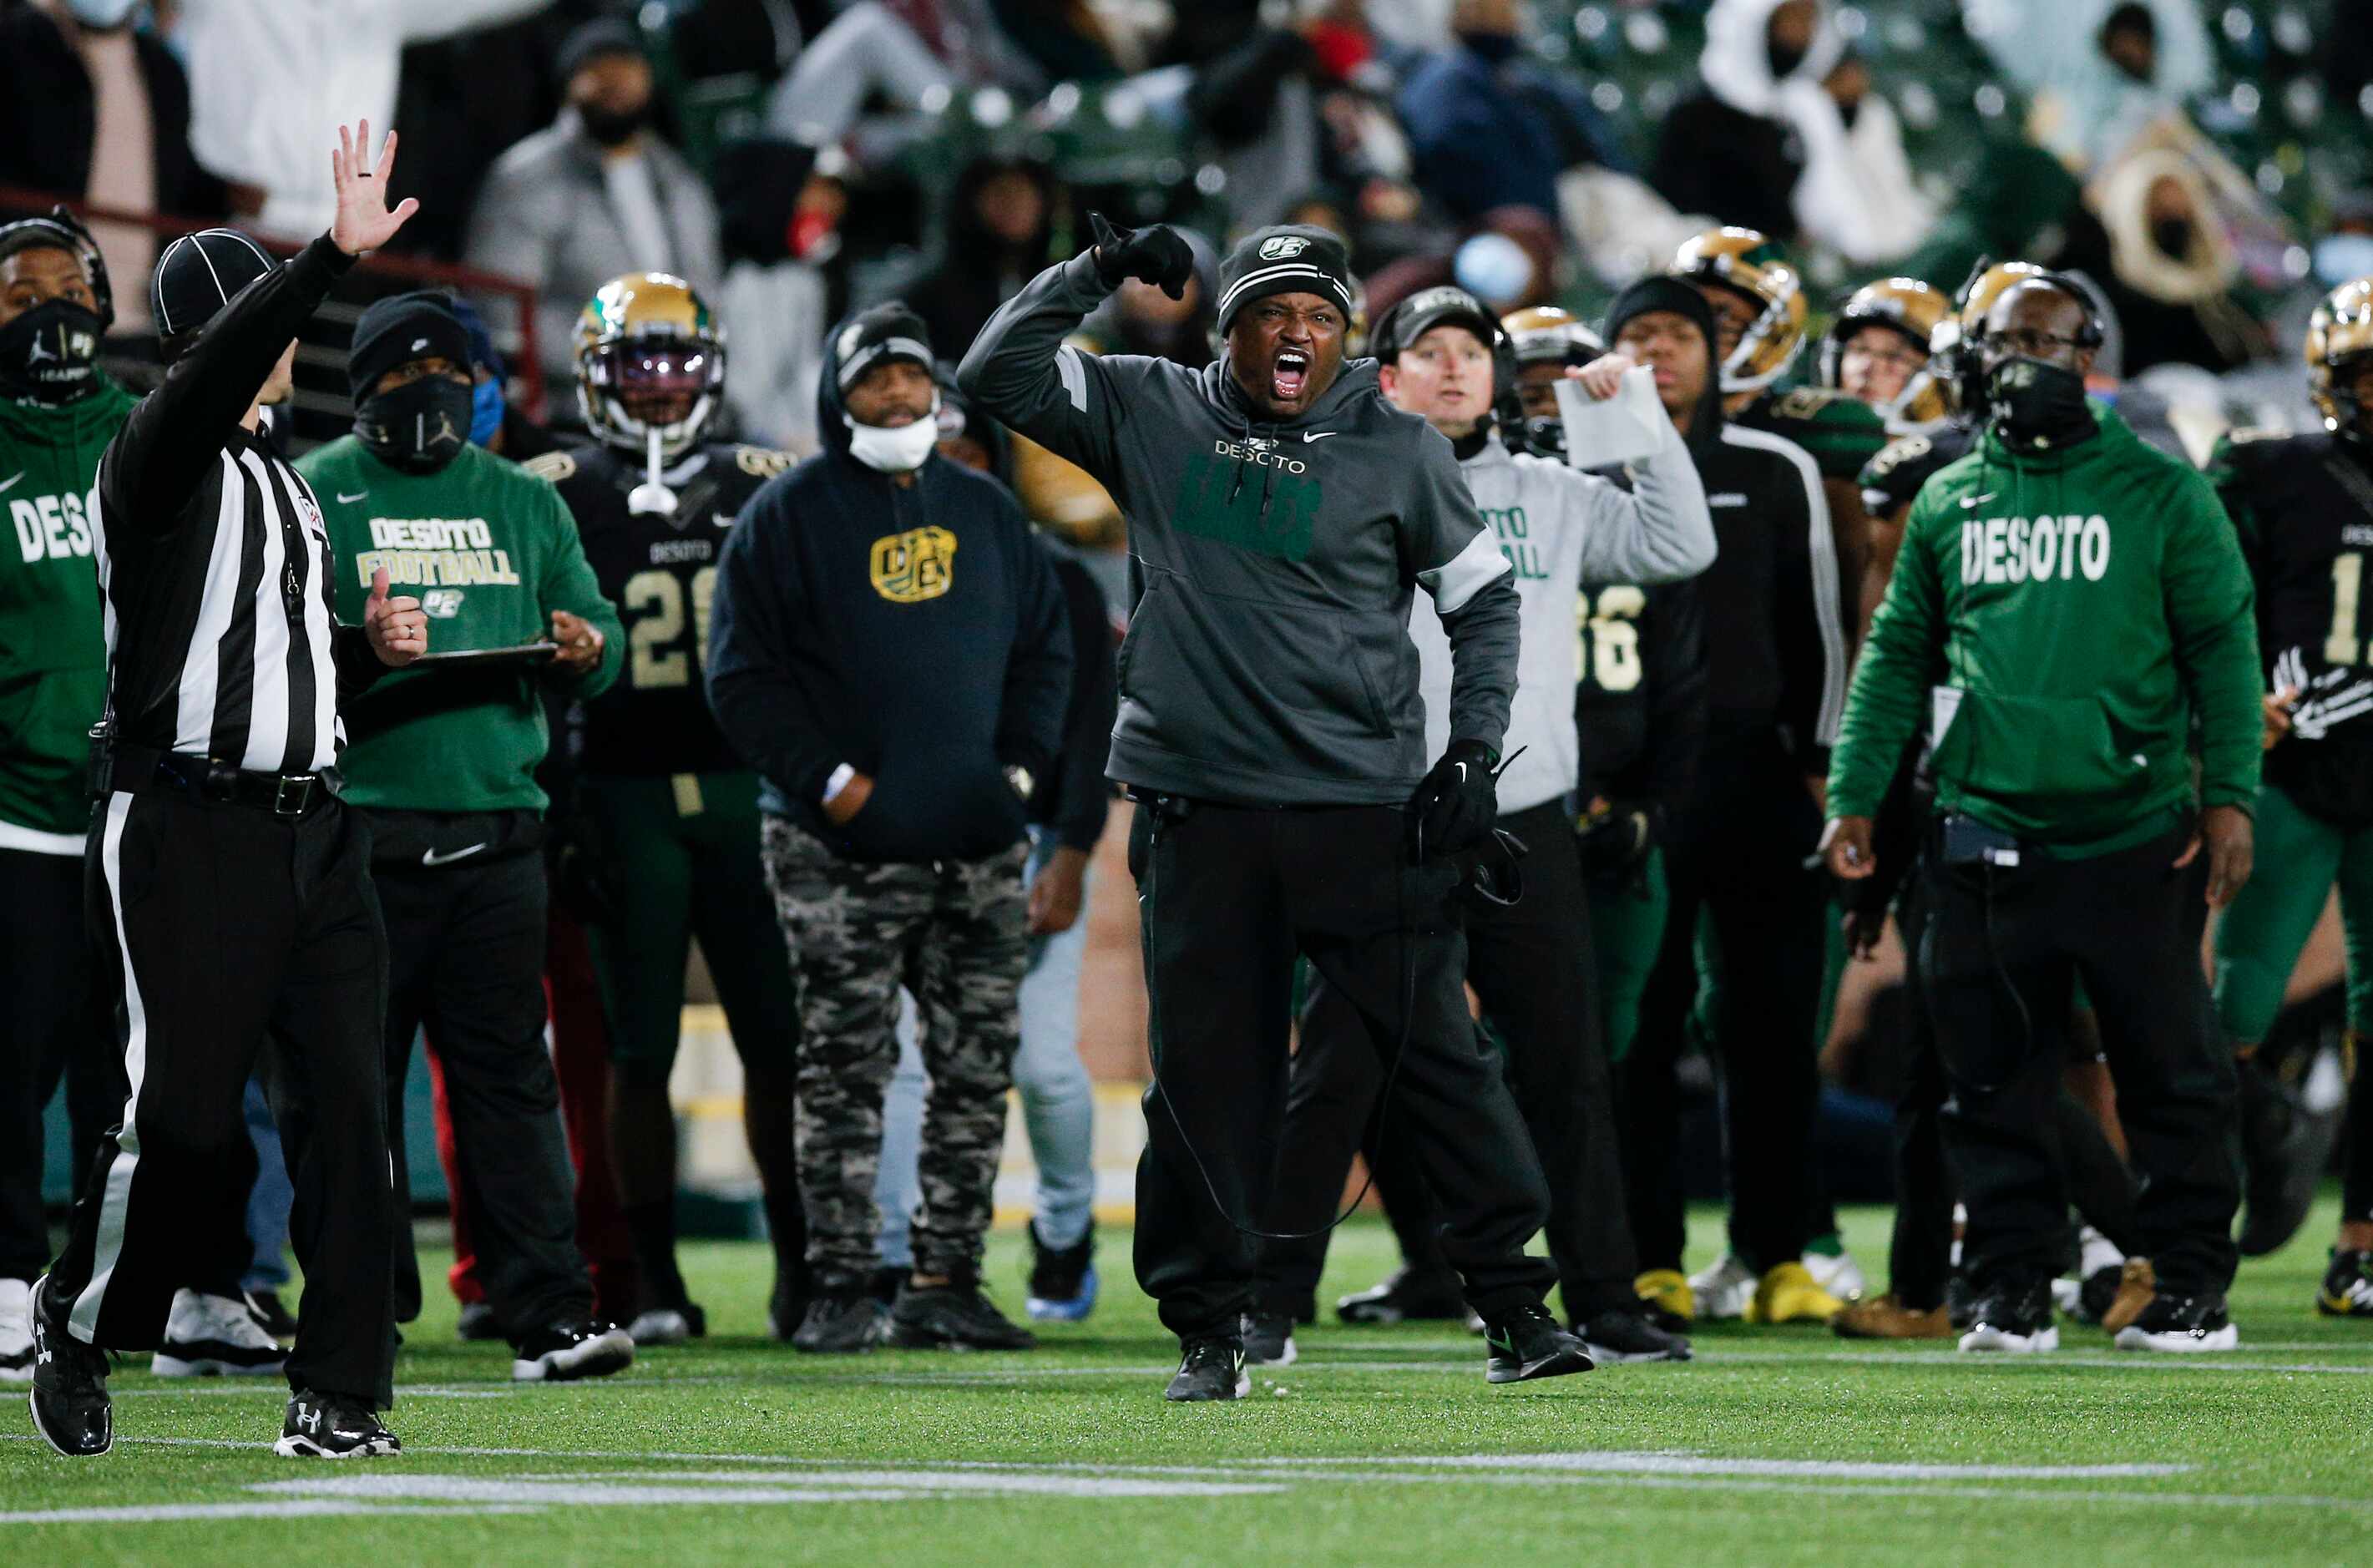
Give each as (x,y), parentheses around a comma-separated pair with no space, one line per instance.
(1069,1454)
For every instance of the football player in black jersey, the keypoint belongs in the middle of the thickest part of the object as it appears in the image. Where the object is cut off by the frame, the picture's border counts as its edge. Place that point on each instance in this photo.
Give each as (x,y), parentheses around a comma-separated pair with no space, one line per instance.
(668,814)
(2304,507)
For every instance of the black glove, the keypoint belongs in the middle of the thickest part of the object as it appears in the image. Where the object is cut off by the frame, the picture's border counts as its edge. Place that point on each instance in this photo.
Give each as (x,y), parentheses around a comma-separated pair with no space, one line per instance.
(1154,256)
(1455,805)
(1616,842)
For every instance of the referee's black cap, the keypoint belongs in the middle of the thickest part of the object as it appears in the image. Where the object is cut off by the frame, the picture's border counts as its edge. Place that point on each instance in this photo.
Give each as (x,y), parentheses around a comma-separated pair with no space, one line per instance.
(197,275)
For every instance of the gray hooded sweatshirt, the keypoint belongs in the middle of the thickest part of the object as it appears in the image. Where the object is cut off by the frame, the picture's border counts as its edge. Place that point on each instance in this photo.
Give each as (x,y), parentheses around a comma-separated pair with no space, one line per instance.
(1269,660)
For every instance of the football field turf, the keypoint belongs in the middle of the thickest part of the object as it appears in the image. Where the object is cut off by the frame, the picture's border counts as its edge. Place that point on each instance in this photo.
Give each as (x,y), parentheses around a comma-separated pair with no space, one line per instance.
(1382,1446)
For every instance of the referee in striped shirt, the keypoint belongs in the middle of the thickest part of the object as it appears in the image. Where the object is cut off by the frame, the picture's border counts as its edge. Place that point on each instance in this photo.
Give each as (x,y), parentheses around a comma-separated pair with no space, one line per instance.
(227,892)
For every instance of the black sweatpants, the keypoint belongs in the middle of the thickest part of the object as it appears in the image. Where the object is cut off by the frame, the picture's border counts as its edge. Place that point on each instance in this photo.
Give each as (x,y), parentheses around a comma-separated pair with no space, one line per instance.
(2003,948)
(1228,897)
(51,1025)
(465,960)
(223,931)
(1737,850)
(1531,966)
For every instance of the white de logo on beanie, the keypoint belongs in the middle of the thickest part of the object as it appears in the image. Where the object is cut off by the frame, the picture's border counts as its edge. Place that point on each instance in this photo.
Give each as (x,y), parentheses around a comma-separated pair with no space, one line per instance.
(1279,247)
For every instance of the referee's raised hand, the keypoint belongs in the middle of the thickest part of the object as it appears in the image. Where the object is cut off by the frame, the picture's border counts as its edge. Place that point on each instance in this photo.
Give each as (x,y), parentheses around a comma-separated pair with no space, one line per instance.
(398,631)
(364,222)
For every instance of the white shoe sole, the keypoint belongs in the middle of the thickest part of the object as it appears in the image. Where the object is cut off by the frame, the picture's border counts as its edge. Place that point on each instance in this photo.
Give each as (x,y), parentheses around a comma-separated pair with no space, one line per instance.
(1986,1338)
(164,1365)
(306,1448)
(613,1351)
(2133,1338)
(1604,1356)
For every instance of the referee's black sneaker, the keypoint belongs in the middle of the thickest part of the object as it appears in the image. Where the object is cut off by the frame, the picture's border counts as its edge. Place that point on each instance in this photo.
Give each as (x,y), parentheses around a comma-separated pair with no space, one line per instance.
(1622,1334)
(1527,1343)
(1210,1369)
(70,1403)
(957,1315)
(1406,1297)
(569,1352)
(333,1426)
(2013,1317)
(2181,1323)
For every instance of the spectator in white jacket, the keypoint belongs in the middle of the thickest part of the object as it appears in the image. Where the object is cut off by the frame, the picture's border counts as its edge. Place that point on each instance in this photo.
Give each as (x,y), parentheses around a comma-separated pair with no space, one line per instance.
(1529,963)
(269,78)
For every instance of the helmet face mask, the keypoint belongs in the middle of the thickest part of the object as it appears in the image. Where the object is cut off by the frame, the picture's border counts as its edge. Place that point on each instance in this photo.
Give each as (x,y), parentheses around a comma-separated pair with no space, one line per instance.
(1756,269)
(1542,335)
(650,359)
(2339,349)
(1917,310)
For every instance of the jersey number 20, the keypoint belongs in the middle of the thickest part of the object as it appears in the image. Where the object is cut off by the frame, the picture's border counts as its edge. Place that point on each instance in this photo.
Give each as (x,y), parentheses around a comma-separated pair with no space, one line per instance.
(654,603)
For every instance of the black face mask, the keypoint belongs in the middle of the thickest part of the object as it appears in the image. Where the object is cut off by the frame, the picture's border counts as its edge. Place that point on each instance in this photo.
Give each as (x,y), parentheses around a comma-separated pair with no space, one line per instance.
(1784,61)
(611,127)
(418,427)
(2173,236)
(50,353)
(2035,403)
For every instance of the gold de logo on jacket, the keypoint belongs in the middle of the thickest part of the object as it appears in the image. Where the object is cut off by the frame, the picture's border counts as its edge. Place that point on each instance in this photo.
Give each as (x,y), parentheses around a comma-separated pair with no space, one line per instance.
(916,565)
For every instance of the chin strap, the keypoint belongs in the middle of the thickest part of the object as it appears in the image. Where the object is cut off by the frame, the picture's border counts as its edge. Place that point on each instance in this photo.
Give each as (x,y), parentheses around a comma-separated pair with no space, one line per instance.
(651,495)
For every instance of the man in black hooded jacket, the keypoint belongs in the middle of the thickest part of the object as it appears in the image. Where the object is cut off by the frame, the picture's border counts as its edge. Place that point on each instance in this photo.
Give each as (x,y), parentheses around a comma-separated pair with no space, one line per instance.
(1737,846)
(889,649)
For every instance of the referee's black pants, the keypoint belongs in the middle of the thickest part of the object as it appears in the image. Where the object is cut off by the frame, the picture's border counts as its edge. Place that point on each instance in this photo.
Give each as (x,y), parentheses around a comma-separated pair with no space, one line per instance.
(1228,897)
(51,1025)
(1531,966)
(1736,851)
(223,931)
(465,933)
(1998,960)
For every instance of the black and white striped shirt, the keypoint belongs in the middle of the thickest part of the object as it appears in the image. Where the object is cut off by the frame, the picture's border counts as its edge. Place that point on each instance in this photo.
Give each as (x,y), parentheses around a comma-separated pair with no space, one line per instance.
(213,562)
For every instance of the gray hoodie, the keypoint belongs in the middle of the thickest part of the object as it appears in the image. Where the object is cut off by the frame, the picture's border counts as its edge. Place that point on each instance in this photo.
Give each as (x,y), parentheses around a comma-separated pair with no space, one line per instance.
(1267,660)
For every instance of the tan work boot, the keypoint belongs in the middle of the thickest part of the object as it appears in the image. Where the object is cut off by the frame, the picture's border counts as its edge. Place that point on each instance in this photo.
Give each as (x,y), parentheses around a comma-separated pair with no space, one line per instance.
(1887,1319)
(2136,1286)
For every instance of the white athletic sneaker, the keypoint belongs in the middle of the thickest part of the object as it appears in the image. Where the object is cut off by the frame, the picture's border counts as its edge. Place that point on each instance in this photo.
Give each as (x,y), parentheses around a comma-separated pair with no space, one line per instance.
(2011,1340)
(16,1331)
(1724,1290)
(211,1335)
(2068,1298)
(2014,1321)
(664,1325)
(1840,1276)
(2181,1324)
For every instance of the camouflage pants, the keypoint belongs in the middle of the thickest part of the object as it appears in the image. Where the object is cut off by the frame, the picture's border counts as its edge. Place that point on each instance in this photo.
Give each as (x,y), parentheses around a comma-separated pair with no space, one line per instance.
(953,933)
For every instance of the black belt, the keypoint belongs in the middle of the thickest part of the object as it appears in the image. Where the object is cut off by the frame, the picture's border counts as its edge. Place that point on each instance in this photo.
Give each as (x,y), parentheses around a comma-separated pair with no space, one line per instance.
(138,770)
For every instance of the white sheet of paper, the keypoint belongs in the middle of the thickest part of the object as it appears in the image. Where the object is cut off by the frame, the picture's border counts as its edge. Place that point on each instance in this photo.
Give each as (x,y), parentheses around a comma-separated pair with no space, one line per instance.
(1624,429)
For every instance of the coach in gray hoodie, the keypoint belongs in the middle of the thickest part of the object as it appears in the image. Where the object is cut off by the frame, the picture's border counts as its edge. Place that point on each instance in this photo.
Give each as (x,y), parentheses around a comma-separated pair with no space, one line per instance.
(1282,516)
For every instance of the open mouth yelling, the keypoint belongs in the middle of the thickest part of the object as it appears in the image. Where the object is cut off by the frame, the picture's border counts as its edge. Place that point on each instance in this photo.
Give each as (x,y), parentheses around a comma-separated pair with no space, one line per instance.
(1289,377)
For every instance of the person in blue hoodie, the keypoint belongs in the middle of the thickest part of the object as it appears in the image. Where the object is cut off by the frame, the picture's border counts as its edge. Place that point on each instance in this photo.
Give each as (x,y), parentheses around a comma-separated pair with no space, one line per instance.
(890,649)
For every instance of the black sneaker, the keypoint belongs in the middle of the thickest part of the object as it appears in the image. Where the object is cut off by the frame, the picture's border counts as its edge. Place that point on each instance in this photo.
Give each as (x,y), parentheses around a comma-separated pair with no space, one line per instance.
(1062,1280)
(2347,1288)
(2014,1318)
(2284,1147)
(478,1322)
(1960,1302)
(787,1304)
(70,1403)
(2097,1292)
(1527,1343)
(842,1320)
(886,1282)
(1208,1369)
(567,1353)
(2181,1323)
(333,1426)
(1406,1297)
(1268,1339)
(271,1316)
(957,1315)
(1622,1334)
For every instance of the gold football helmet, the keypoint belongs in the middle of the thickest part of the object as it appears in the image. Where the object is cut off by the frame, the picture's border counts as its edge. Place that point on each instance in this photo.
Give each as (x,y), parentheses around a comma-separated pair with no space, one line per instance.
(1743,261)
(650,357)
(1545,334)
(1953,349)
(2339,336)
(1914,309)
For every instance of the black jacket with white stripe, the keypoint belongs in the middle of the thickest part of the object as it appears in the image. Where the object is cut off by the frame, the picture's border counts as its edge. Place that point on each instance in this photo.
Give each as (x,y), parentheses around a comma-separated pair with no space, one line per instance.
(213,558)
